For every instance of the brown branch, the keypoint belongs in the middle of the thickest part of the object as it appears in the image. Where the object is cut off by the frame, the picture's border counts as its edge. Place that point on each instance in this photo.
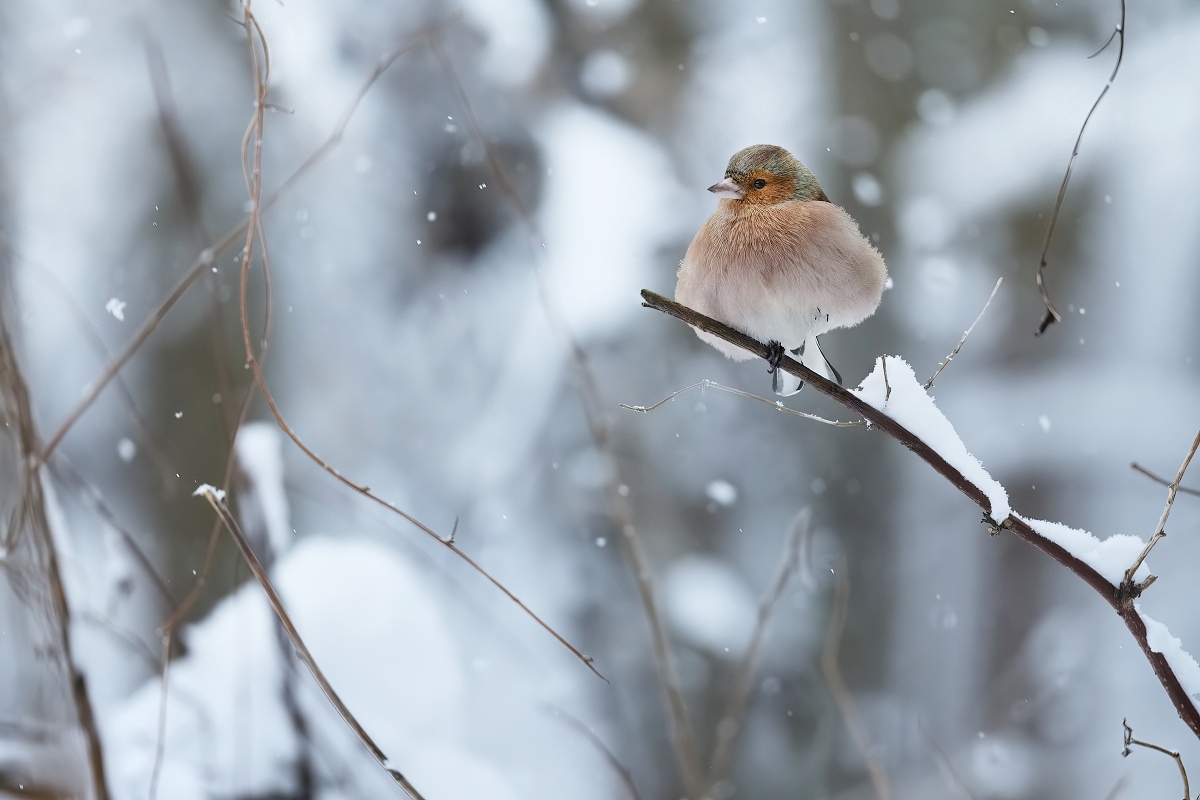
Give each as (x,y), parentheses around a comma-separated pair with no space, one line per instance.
(683,736)
(302,651)
(1052,315)
(207,256)
(1130,741)
(32,512)
(837,685)
(734,718)
(1161,530)
(963,340)
(1161,480)
(1120,599)
(252,155)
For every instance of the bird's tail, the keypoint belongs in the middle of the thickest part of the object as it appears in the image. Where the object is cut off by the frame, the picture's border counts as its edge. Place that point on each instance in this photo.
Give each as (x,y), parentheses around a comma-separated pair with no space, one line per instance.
(810,355)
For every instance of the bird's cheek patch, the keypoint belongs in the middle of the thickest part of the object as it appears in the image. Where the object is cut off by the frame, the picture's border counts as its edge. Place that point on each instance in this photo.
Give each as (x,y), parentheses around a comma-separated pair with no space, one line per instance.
(777,190)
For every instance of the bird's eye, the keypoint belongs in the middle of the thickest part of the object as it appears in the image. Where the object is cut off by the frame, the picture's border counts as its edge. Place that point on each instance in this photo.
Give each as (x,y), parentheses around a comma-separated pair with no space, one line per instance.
(760,183)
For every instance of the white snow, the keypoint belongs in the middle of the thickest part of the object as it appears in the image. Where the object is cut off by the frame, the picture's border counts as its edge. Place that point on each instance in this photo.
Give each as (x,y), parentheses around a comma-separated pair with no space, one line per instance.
(261,460)
(126,449)
(721,491)
(116,308)
(709,604)
(1182,663)
(912,407)
(228,732)
(208,488)
(1110,557)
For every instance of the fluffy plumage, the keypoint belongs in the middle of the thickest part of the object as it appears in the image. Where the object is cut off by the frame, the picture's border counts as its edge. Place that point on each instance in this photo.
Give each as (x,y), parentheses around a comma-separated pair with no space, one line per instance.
(778,261)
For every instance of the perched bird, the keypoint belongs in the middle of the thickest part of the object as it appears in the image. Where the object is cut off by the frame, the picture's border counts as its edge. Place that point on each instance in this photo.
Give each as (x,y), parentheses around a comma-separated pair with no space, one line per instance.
(779,262)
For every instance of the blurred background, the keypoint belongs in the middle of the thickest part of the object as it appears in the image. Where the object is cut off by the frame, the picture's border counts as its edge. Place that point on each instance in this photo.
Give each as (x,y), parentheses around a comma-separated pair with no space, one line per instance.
(422,342)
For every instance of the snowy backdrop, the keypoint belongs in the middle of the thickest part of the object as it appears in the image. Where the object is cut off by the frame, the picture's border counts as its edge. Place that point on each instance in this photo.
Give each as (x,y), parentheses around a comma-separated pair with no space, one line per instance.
(455,323)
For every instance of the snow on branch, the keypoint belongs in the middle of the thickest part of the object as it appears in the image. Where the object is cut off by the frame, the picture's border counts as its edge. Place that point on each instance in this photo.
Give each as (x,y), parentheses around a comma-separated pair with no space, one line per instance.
(891,400)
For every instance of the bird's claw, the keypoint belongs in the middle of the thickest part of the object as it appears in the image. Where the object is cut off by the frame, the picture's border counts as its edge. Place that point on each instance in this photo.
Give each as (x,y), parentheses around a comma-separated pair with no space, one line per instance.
(775,353)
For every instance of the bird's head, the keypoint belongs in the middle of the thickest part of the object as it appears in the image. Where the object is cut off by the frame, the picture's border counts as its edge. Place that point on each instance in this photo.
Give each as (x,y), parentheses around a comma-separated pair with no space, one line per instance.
(764,175)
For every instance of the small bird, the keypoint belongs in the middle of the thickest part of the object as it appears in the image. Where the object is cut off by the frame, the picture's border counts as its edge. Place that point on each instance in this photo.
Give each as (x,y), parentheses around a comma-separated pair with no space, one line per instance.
(780,262)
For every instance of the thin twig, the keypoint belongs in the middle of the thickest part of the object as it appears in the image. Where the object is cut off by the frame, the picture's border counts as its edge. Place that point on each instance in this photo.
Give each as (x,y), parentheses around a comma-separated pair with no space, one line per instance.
(188,186)
(837,685)
(1118,787)
(887,395)
(1130,741)
(1052,314)
(160,741)
(1120,600)
(302,651)
(961,341)
(1161,530)
(949,774)
(252,152)
(734,718)
(1162,481)
(62,469)
(778,406)
(207,256)
(598,743)
(33,513)
(683,737)
(85,325)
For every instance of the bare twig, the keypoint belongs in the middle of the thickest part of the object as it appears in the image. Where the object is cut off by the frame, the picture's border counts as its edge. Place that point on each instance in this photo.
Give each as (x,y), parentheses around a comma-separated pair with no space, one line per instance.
(949,774)
(778,406)
(85,325)
(18,412)
(961,341)
(302,652)
(837,685)
(1121,601)
(1161,530)
(683,736)
(188,186)
(598,743)
(160,741)
(887,395)
(207,256)
(62,469)
(1130,741)
(733,720)
(1161,480)
(1118,787)
(1052,314)
(252,153)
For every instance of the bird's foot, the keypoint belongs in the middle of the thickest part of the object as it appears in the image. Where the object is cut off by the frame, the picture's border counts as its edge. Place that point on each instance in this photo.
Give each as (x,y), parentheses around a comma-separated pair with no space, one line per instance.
(775,353)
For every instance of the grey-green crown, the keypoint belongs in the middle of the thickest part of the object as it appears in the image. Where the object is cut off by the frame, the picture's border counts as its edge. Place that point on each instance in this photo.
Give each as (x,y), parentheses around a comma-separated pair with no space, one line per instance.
(777,161)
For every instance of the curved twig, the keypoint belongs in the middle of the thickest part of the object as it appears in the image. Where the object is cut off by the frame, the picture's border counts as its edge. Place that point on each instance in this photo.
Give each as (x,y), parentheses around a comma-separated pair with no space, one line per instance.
(1120,598)
(778,406)
(1052,315)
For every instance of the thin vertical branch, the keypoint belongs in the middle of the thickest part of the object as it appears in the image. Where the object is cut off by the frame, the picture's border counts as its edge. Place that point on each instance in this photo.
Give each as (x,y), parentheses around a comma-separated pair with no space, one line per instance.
(33,513)
(733,720)
(1052,315)
(683,736)
(837,685)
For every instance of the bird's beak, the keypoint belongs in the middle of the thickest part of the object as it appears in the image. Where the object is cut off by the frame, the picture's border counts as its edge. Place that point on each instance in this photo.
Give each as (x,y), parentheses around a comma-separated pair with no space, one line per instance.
(727,188)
